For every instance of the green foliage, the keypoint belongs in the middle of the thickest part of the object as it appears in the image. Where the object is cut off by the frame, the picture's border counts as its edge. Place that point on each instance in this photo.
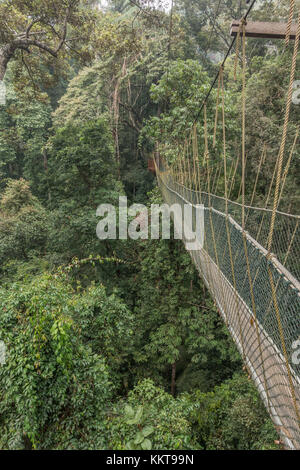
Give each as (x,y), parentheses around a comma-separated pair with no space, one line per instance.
(95,347)
(54,387)
(141,440)
(107,327)
(24,130)
(81,164)
(23,223)
(82,175)
(231,417)
(178,323)
(149,418)
(41,30)
(180,92)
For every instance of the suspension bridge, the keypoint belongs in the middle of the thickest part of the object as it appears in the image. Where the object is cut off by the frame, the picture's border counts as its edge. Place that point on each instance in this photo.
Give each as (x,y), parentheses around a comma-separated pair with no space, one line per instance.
(250,257)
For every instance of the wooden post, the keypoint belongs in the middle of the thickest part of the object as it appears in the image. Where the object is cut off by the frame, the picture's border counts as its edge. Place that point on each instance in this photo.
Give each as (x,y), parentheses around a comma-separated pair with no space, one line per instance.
(264,30)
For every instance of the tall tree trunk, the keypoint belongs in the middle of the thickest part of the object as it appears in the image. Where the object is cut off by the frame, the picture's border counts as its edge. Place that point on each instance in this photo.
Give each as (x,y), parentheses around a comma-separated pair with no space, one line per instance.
(173,380)
(45,160)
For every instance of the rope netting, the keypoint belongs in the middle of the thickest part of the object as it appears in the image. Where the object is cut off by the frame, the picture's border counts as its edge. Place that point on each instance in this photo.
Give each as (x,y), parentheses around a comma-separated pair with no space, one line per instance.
(286,240)
(265,357)
(250,257)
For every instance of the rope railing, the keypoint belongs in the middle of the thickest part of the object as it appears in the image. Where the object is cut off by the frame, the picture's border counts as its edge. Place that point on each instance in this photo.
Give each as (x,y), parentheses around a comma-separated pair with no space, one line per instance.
(255,333)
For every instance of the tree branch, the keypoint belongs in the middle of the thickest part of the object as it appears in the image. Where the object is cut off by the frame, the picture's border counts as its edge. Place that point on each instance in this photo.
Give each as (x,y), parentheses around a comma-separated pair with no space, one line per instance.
(25,43)
(29,38)
(65,28)
(30,26)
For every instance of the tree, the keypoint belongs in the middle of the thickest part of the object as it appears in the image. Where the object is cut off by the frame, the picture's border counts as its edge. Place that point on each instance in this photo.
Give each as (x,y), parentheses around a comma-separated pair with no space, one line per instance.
(25,122)
(119,82)
(231,417)
(40,27)
(23,224)
(149,419)
(54,388)
(180,93)
(107,327)
(82,175)
(179,331)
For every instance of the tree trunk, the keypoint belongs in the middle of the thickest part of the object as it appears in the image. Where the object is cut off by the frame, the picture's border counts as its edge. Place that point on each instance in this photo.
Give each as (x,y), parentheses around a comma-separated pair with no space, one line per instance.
(6,53)
(173,380)
(45,160)
(27,442)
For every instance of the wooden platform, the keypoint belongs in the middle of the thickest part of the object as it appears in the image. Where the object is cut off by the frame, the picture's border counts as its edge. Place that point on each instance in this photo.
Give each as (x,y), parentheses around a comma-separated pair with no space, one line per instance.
(264,30)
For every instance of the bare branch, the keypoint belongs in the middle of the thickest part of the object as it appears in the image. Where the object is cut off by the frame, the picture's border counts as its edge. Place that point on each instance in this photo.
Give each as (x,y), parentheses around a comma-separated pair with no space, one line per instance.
(30,26)
(65,28)
(25,43)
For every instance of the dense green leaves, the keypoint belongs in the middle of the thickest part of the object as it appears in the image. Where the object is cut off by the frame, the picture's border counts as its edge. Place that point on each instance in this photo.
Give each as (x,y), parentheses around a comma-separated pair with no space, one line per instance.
(54,387)
(149,418)
(117,344)
(231,417)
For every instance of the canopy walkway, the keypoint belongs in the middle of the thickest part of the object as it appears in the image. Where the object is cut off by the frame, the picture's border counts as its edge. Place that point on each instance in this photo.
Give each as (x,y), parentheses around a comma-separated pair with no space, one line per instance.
(250,257)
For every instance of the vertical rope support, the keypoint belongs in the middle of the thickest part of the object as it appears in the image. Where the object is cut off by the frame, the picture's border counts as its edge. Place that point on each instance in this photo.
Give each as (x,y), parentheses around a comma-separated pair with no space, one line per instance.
(183,163)
(210,217)
(241,185)
(233,178)
(226,212)
(243,215)
(231,171)
(190,143)
(243,122)
(216,180)
(205,138)
(274,212)
(290,20)
(217,107)
(261,162)
(180,169)
(267,201)
(197,181)
(286,171)
(189,171)
(224,138)
(206,155)
(176,164)
(284,135)
(237,49)
(227,216)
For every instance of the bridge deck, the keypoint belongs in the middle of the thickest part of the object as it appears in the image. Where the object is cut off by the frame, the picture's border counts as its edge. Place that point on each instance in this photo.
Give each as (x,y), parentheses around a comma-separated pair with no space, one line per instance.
(265,364)
(258,338)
